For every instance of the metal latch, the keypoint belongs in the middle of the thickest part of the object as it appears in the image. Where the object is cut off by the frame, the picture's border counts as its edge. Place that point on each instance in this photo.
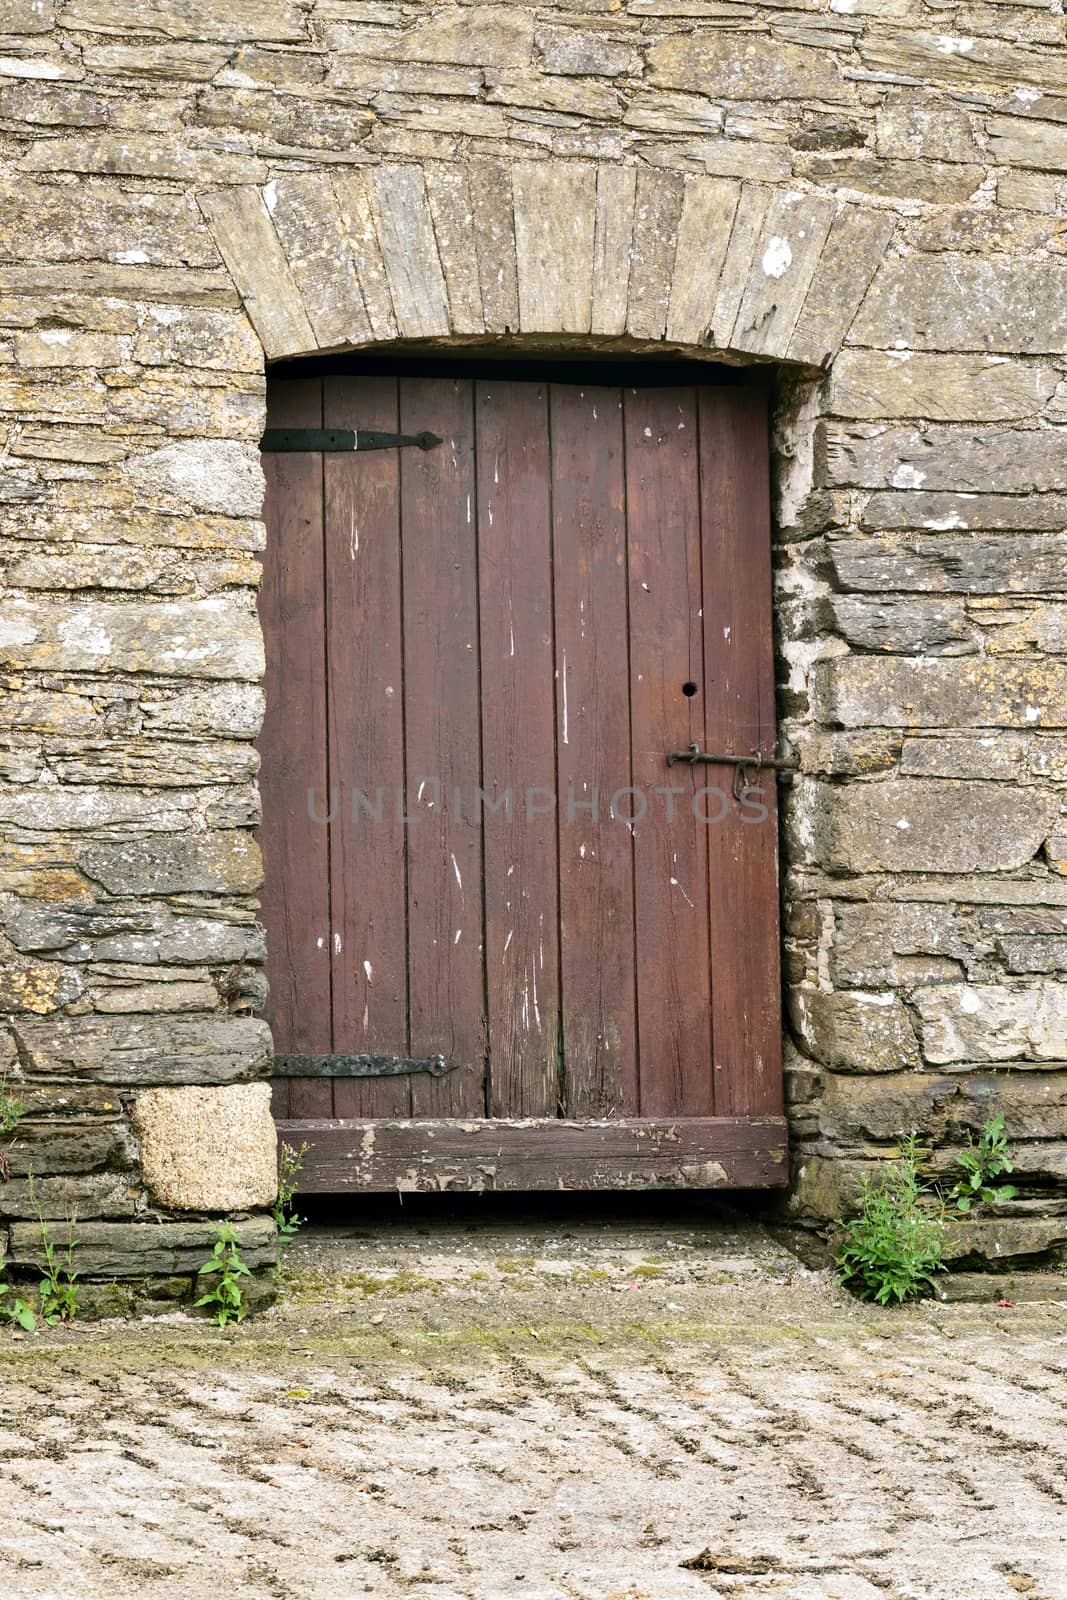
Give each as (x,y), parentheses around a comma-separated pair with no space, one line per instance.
(745,767)
(357,1066)
(336,439)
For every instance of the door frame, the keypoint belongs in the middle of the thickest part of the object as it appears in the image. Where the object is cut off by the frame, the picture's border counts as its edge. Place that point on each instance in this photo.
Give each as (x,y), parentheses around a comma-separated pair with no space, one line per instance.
(398,1154)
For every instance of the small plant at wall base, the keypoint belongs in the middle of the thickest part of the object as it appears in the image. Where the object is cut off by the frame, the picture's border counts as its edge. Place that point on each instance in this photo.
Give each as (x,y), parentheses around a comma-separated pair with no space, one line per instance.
(225,1297)
(18,1311)
(891,1250)
(285,1218)
(981,1164)
(59,1283)
(11,1109)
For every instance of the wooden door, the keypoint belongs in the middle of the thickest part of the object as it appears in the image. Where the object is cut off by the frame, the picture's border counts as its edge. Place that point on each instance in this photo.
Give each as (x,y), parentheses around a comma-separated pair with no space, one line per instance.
(555,953)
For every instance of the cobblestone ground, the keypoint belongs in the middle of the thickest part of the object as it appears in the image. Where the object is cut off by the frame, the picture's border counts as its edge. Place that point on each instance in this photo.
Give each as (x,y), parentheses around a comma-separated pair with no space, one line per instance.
(572,1411)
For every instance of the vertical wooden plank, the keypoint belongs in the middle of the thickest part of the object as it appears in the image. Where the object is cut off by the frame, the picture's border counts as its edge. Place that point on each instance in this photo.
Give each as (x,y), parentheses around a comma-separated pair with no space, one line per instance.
(739,715)
(292,746)
(363,629)
(593,722)
(518,747)
(670,842)
(443,744)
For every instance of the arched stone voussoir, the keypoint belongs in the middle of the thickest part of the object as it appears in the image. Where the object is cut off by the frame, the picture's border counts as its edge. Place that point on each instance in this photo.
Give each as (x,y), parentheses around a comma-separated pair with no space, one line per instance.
(426,250)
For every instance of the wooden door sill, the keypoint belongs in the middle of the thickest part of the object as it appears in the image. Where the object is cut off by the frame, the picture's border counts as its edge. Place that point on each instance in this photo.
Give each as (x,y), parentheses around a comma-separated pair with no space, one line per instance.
(432,1154)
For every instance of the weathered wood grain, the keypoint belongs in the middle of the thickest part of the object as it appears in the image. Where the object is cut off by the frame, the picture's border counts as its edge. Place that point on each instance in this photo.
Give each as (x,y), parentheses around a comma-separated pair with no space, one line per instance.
(592,752)
(292,747)
(368,943)
(547,1153)
(739,715)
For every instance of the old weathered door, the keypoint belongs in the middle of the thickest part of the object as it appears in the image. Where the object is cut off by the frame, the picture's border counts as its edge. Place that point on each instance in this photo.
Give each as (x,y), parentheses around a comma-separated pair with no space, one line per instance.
(510,943)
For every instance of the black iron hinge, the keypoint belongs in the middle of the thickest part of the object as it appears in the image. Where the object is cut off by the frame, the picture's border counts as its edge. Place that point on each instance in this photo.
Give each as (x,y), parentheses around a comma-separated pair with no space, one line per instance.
(347,439)
(357,1066)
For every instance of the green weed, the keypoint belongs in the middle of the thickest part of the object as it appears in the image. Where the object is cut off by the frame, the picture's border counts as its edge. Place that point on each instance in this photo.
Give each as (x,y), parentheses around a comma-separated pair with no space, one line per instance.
(11,1109)
(59,1282)
(226,1296)
(18,1311)
(983,1161)
(286,1220)
(891,1250)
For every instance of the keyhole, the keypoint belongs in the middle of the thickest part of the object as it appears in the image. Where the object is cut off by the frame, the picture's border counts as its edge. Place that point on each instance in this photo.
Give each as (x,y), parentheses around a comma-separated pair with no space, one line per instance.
(689,689)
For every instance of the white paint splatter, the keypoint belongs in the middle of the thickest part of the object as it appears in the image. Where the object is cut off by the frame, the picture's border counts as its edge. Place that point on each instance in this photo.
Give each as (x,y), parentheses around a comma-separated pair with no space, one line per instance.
(337,944)
(455,869)
(369,971)
(777,258)
(566,736)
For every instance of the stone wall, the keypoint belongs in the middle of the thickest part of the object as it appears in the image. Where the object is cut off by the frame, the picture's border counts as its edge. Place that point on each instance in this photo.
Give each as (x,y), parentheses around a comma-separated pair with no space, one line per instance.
(186,183)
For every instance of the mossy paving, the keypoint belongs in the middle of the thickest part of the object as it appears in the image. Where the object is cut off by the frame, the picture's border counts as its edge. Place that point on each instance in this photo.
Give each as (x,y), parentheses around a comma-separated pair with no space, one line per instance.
(417,1421)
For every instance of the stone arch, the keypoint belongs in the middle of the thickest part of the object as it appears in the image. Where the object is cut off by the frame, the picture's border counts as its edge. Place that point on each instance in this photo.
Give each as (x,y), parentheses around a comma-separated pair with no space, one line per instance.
(439,250)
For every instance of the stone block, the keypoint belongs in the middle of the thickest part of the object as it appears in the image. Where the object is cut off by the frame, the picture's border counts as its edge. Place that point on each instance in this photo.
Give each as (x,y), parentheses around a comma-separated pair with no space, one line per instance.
(943,388)
(110,1196)
(126,1250)
(189,863)
(926,127)
(936,182)
(860,691)
(65,1145)
(476,36)
(146,1051)
(585,52)
(993,1022)
(208,1149)
(962,755)
(91,222)
(1018,142)
(925,825)
(875,944)
(745,67)
(943,303)
(162,60)
(212,638)
(826,1188)
(273,21)
(853,1031)
(1036,955)
(995,1243)
(1031,191)
(947,59)
(903,625)
(1014,564)
(210,475)
(140,156)
(960,459)
(886,1107)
